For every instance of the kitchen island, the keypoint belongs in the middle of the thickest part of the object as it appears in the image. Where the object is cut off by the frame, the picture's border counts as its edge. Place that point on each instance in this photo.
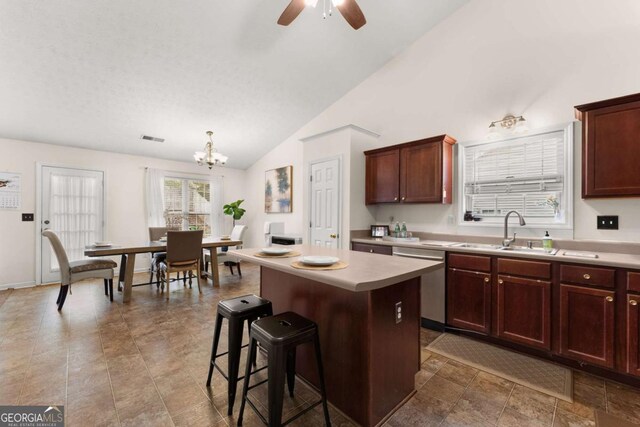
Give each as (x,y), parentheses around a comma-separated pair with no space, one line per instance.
(370,355)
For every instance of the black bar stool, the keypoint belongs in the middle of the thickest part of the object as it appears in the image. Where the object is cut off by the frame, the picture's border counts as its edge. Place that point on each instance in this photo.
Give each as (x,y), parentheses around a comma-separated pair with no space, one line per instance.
(280,335)
(236,311)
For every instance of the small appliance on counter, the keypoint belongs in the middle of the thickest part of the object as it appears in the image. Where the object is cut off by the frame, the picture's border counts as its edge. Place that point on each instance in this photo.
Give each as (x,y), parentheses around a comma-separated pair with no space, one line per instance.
(285,240)
(270,229)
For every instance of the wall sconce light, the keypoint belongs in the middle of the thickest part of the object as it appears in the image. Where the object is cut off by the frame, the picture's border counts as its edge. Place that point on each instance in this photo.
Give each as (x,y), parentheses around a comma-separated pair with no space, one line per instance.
(516,125)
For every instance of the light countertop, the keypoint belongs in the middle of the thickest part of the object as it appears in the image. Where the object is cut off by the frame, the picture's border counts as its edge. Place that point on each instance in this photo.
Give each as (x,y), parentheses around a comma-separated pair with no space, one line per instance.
(611,259)
(365,271)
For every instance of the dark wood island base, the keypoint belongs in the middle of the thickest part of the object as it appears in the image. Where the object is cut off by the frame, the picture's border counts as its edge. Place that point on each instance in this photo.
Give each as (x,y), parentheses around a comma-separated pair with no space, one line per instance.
(370,361)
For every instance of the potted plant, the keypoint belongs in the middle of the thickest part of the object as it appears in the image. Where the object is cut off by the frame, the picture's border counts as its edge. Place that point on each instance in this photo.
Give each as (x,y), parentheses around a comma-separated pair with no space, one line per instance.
(234,210)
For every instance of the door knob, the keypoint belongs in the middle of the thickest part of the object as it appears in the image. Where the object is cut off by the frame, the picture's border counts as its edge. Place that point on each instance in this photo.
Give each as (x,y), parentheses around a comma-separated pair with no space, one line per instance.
(609,299)
(633,302)
(333,235)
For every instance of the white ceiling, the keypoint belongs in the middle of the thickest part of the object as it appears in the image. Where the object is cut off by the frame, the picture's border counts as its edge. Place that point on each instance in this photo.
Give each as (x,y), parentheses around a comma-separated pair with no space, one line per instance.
(100,73)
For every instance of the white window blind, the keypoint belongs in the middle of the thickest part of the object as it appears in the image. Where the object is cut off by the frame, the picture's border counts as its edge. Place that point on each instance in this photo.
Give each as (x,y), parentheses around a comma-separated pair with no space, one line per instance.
(526,174)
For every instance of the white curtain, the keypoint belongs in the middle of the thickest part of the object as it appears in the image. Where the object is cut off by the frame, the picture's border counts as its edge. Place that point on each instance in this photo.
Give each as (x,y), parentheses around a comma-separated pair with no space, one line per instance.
(76,212)
(217,196)
(154,194)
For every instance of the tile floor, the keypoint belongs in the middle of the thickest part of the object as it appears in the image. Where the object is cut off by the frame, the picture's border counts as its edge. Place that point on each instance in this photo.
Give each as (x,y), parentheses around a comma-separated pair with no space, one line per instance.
(145,363)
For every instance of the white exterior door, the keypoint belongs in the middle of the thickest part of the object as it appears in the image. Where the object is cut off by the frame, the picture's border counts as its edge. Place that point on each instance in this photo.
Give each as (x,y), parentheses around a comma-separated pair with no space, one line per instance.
(71,205)
(325,203)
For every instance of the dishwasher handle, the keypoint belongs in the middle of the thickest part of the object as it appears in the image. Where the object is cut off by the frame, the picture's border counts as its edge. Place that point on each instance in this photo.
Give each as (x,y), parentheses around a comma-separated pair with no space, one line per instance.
(427,257)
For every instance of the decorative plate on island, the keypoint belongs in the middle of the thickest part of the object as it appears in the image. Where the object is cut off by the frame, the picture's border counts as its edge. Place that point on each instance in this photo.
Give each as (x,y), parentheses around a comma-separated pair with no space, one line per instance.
(319,260)
(275,251)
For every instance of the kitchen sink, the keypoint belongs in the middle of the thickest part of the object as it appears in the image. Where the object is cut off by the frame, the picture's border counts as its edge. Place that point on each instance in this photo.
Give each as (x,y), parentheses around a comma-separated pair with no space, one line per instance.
(521,249)
(477,246)
(524,249)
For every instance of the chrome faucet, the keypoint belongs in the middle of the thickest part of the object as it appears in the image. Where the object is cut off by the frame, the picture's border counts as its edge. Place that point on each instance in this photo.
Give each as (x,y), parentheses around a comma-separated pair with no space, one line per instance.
(507,241)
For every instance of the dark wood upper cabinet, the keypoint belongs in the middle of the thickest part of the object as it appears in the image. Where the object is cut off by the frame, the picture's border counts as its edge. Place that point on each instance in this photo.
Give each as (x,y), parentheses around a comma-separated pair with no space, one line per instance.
(587,319)
(414,172)
(523,311)
(610,147)
(383,180)
(633,335)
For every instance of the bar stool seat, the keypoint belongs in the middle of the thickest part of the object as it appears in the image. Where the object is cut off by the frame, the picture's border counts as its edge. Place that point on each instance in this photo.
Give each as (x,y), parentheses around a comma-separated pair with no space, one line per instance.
(280,335)
(236,310)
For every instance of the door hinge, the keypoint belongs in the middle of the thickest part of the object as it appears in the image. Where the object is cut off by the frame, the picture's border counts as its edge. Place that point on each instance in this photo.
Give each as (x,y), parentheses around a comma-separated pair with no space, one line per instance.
(311,178)
(310,225)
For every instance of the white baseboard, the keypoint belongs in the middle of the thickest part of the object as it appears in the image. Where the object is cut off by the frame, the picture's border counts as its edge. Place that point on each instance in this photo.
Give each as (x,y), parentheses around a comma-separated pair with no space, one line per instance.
(33,284)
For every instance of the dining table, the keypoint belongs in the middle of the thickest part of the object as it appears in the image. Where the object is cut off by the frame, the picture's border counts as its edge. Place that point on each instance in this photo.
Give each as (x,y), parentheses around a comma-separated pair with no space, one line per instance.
(128,259)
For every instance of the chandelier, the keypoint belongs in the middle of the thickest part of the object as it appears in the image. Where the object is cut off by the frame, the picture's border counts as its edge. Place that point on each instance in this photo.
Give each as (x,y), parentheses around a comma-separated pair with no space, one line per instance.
(210,155)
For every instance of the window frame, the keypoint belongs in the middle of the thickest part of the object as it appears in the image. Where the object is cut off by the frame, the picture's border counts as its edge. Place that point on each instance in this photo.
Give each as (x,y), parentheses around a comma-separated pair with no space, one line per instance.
(185,180)
(568,180)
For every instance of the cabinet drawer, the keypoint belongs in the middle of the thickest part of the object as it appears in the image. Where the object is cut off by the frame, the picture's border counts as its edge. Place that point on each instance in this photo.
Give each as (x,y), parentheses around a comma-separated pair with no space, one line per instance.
(515,267)
(587,275)
(633,281)
(470,262)
(374,249)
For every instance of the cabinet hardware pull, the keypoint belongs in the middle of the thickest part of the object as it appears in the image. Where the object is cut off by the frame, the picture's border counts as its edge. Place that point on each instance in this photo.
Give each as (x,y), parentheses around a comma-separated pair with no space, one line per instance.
(609,299)
(633,302)
(500,281)
(371,250)
(586,276)
(486,280)
(395,198)
(403,198)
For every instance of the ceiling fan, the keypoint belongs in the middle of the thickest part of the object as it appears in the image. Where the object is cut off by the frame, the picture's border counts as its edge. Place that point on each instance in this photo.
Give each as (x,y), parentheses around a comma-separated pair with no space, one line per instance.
(348,8)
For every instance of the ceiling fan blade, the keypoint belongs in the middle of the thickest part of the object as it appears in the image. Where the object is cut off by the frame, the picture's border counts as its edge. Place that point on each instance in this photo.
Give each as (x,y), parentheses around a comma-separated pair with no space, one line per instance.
(291,12)
(352,13)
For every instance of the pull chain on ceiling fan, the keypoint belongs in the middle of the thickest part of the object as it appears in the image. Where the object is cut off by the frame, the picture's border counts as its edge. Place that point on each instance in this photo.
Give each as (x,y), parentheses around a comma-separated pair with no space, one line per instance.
(348,8)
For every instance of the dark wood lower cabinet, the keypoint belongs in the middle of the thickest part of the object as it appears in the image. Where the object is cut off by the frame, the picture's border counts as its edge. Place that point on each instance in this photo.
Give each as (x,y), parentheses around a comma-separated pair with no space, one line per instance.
(469,300)
(523,311)
(587,320)
(633,335)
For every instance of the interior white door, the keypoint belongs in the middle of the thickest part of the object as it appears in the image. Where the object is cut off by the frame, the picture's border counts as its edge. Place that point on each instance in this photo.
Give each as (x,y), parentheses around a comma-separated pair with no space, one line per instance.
(72,205)
(325,206)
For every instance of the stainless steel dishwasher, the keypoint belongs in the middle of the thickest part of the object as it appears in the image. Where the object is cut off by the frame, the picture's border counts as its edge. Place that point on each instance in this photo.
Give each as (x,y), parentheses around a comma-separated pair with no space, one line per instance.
(432,291)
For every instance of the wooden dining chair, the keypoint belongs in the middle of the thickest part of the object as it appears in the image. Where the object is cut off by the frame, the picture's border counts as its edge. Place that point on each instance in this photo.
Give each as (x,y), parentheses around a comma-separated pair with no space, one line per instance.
(74,271)
(183,254)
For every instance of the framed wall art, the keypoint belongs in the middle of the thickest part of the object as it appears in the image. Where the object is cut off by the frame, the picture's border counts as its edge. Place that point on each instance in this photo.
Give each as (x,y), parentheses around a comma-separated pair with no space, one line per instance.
(278,190)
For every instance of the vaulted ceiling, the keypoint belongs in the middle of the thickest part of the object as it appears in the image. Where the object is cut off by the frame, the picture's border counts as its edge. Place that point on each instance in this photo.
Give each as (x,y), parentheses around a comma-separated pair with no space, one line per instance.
(98,74)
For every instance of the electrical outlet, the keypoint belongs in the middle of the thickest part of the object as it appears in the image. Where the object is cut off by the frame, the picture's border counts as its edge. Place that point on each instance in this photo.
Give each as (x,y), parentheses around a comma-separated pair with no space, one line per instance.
(607,222)
(27,217)
(398,312)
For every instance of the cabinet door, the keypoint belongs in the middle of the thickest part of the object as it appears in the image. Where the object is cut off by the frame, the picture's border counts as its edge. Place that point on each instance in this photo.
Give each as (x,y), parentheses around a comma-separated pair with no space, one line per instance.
(469,300)
(587,324)
(611,151)
(633,335)
(382,177)
(374,249)
(523,311)
(421,173)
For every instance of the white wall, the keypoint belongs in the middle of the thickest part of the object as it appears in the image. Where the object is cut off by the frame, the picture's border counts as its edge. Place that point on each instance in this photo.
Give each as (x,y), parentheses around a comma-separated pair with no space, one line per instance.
(125,210)
(493,57)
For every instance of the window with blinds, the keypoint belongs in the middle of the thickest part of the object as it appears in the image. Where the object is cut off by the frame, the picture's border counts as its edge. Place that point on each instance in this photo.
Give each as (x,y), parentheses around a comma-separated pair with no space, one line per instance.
(187,204)
(526,174)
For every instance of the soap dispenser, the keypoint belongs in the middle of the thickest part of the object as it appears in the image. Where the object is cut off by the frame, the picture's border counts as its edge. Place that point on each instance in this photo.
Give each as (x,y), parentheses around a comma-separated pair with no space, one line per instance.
(547,242)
